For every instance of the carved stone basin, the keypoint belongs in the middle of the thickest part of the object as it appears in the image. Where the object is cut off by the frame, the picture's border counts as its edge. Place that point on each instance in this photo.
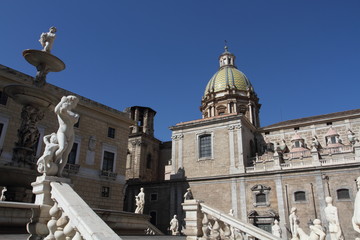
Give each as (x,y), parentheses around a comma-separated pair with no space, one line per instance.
(28,95)
(37,58)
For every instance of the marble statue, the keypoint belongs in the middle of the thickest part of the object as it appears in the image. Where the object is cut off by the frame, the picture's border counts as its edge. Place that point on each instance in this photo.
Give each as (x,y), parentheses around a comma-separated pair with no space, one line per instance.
(316,232)
(275,229)
(188,195)
(356,217)
(351,137)
(46,163)
(140,201)
(2,197)
(65,133)
(315,142)
(174,226)
(47,39)
(293,219)
(331,214)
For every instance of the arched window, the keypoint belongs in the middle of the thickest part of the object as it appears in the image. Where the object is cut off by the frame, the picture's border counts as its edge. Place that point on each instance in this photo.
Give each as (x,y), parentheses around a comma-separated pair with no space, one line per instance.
(300,196)
(343,193)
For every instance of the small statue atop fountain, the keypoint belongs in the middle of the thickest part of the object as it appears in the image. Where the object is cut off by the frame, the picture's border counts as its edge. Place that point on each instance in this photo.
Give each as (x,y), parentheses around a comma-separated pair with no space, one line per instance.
(47,39)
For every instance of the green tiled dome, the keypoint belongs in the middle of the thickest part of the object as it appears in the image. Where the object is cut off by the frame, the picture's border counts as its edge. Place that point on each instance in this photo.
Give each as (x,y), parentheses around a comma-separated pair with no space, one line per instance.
(228,76)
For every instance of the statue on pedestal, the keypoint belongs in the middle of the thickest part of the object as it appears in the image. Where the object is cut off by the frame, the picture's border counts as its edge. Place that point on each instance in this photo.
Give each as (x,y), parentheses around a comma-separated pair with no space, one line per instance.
(188,195)
(331,214)
(293,219)
(140,201)
(174,226)
(316,232)
(276,230)
(46,163)
(356,216)
(2,197)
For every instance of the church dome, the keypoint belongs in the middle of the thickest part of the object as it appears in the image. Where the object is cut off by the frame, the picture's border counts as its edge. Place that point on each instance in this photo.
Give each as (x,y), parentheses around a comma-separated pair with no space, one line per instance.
(228,77)
(229,91)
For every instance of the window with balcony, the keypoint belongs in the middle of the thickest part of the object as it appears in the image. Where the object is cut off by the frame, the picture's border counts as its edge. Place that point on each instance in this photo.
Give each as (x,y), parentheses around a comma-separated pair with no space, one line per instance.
(108,161)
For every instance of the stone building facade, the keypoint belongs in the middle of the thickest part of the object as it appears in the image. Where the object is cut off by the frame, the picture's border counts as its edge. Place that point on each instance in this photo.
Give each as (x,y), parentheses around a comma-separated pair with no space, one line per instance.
(97,162)
(230,162)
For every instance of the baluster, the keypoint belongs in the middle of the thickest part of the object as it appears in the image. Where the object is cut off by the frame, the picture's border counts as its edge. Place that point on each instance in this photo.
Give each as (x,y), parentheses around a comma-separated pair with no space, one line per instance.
(69,231)
(61,223)
(77,236)
(215,231)
(55,213)
(227,231)
(205,226)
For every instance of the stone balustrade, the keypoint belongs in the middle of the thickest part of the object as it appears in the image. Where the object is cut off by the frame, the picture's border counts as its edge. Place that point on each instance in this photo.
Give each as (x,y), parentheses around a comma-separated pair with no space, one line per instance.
(204,222)
(322,157)
(63,214)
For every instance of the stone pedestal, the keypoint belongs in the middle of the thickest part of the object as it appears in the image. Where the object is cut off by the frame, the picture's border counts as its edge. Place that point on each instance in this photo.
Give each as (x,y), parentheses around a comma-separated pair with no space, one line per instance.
(193,218)
(315,157)
(277,165)
(37,227)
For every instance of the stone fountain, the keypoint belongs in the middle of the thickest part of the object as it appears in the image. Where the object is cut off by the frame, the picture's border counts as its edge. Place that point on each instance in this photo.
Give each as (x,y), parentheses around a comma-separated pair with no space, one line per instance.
(34,99)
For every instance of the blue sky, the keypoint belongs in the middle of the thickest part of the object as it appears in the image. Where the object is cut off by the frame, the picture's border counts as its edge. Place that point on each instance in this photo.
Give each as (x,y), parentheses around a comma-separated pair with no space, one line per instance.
(301,56)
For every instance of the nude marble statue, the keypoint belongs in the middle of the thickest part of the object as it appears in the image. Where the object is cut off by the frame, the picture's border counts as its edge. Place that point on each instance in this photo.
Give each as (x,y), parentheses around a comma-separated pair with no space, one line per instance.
(316,232)
(65,134)
(331,214)
(275,229)
(174,226)
(47,39)
(356,217)
(293,219)
(46,163)
(140,201)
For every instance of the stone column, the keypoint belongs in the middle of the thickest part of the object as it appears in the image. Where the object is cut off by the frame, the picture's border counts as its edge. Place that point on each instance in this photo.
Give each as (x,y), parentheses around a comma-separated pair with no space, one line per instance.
(136,118)
(193,218)
(277,164)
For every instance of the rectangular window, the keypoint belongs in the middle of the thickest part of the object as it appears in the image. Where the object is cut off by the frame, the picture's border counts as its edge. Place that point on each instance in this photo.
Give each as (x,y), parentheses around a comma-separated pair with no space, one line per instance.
(205,146)
(1,128)
(73,153)
(108,161)
(153,197)
(105,191)
(3,98)
(111,132)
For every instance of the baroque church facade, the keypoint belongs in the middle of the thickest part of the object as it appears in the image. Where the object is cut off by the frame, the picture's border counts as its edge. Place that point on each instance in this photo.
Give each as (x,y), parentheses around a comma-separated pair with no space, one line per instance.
(230,162)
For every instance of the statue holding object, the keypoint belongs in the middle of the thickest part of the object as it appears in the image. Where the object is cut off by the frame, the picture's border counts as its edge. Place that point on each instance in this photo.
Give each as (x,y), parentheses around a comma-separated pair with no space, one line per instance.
(59,145)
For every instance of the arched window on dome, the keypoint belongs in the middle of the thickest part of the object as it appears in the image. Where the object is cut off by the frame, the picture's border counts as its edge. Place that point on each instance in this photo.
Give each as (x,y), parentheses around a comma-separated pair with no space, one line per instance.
(148,161)
(221,110)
